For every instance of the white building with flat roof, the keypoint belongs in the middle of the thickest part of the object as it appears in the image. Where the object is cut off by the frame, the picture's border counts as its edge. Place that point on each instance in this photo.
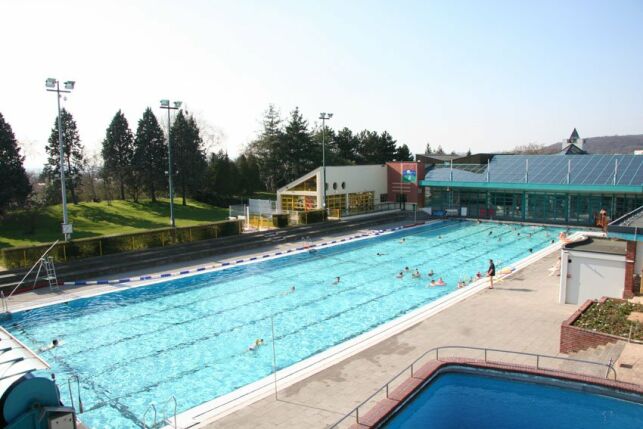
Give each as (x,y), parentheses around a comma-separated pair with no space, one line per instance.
(349,188)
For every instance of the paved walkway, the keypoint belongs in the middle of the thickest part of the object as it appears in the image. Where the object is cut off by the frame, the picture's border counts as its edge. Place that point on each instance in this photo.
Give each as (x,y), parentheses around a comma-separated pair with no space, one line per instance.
(520,314)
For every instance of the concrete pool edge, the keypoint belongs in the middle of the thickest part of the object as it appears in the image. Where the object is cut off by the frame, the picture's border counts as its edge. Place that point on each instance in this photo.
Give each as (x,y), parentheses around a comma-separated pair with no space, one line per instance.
(217,408)
(385,409)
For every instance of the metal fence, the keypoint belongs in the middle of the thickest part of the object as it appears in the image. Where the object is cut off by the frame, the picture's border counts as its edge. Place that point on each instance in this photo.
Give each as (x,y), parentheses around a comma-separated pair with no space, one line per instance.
(538,361)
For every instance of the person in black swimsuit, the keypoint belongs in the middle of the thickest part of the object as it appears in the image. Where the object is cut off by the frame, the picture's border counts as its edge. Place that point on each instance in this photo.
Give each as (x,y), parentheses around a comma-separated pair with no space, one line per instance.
(491,272)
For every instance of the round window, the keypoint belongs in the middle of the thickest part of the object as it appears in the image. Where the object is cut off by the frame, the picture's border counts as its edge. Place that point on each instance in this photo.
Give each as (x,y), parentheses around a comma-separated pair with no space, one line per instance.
(334,185)
(343,185)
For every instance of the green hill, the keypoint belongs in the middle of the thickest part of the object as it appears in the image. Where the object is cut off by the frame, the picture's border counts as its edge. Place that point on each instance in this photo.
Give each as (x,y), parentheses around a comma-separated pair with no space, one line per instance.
(24,228)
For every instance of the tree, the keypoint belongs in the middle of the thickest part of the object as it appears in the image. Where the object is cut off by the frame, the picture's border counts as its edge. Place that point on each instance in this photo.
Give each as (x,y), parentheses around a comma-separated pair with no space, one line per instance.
(403,154)
(118,151)
(73,156)
(222,176)
(347,145)
(428,150)
(188,156)
(150,154)
(15,184)
(469,152)
(300,148)
(439,151)
(249,177)
(268,150)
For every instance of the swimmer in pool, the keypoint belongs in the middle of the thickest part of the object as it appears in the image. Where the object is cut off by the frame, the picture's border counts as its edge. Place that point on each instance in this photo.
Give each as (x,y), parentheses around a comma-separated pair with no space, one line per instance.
(289,291)
(54,343)
(406,269)
(431,284)
(440,282)
(400,275)
(337,279)
(416,274)
(430,273)
(402,240)
(380,254)
(254,346)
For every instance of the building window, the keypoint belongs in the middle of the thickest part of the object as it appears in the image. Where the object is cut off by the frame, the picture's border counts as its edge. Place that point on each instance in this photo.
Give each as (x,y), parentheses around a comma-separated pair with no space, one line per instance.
(306,185)
(343,185)
(383,198)
(361,202)
(336,202)
(334,185)
(298,202)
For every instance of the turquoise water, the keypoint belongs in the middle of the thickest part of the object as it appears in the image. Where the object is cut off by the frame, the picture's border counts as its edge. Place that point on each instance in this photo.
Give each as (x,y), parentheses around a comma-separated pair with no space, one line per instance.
(466,401)
(189,337)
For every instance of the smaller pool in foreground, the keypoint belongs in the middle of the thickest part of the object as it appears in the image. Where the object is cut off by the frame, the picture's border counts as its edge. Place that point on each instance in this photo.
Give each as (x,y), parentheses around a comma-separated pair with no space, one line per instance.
(481,401)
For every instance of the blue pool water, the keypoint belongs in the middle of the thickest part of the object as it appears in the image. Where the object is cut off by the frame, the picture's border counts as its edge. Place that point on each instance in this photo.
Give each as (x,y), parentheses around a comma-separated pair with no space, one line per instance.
(189,337)
(466,401)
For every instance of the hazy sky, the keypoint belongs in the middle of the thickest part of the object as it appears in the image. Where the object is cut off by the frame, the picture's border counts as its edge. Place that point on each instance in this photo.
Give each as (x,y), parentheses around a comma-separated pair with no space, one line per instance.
(482,75)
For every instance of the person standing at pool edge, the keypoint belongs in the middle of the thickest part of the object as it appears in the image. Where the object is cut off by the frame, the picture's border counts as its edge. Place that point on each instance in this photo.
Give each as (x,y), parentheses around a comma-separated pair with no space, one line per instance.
(491,272)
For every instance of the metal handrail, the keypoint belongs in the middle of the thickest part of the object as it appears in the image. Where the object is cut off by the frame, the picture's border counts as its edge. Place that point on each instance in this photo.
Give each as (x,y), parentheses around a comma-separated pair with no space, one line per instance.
(152,407)
(5,305)
(71,396)
(436,350)
(32,268)
(165,416)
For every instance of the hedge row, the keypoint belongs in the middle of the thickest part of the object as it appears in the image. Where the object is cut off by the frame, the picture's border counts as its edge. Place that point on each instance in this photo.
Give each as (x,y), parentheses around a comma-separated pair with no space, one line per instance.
(22,257)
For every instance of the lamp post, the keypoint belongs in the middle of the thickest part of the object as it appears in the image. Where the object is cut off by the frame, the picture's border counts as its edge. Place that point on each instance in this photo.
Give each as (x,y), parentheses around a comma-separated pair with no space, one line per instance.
(53,85)
(324,117)
(165,104)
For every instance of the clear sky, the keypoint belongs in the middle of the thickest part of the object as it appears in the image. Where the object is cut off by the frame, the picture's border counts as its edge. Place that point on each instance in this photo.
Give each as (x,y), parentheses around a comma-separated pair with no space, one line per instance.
(483,75)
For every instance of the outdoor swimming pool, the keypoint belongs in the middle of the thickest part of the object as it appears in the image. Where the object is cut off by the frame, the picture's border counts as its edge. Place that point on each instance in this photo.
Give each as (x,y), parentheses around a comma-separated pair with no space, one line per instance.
(472,401)
(189,337)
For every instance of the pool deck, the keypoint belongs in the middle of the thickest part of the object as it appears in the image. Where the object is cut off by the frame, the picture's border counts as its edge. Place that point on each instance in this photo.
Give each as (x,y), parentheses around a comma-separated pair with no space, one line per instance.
(521,314)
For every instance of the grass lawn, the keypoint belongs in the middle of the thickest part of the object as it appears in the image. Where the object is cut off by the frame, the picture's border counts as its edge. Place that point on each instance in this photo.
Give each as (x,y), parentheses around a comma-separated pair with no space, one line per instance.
(95,219)
(610,317)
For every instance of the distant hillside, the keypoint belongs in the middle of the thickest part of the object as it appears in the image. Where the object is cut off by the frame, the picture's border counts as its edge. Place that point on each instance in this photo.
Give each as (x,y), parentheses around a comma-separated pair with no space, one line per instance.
(607,144)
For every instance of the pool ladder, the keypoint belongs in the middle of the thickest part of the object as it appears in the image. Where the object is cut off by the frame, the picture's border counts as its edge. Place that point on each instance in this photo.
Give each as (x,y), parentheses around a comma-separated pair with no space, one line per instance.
(166,418)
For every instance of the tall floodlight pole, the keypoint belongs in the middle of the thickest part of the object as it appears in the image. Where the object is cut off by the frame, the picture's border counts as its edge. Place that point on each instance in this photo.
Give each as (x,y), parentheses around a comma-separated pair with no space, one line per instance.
(53,85)
(324,117)
(165,104)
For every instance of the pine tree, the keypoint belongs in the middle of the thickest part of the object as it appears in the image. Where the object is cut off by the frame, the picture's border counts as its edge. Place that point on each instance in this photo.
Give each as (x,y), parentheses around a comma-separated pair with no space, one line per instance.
(15,184)
(118,151)
(74,160)
(403,154)
(268,150)
(300,154)
(368,147)
(347,146)
(188,156)
(222,175)
(150,154)
(249,179)
(387,148)
(428,150)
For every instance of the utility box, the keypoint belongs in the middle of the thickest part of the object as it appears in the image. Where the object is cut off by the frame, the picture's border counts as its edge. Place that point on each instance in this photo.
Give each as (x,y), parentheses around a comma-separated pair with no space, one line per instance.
(62,421)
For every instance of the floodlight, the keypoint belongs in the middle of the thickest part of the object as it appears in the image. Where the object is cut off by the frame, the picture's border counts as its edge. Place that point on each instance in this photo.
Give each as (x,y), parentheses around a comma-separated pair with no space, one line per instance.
(177,104)
(165,103)
(70,84)
(330,115)
(50,83)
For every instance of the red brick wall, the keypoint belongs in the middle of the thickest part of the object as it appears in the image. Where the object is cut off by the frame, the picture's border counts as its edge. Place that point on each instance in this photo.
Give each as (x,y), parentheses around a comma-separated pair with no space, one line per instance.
(414,193)
(630,257)
(573,338)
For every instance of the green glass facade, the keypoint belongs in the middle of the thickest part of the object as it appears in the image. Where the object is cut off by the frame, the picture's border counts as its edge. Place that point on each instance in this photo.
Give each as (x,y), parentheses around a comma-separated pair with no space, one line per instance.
(533,206)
